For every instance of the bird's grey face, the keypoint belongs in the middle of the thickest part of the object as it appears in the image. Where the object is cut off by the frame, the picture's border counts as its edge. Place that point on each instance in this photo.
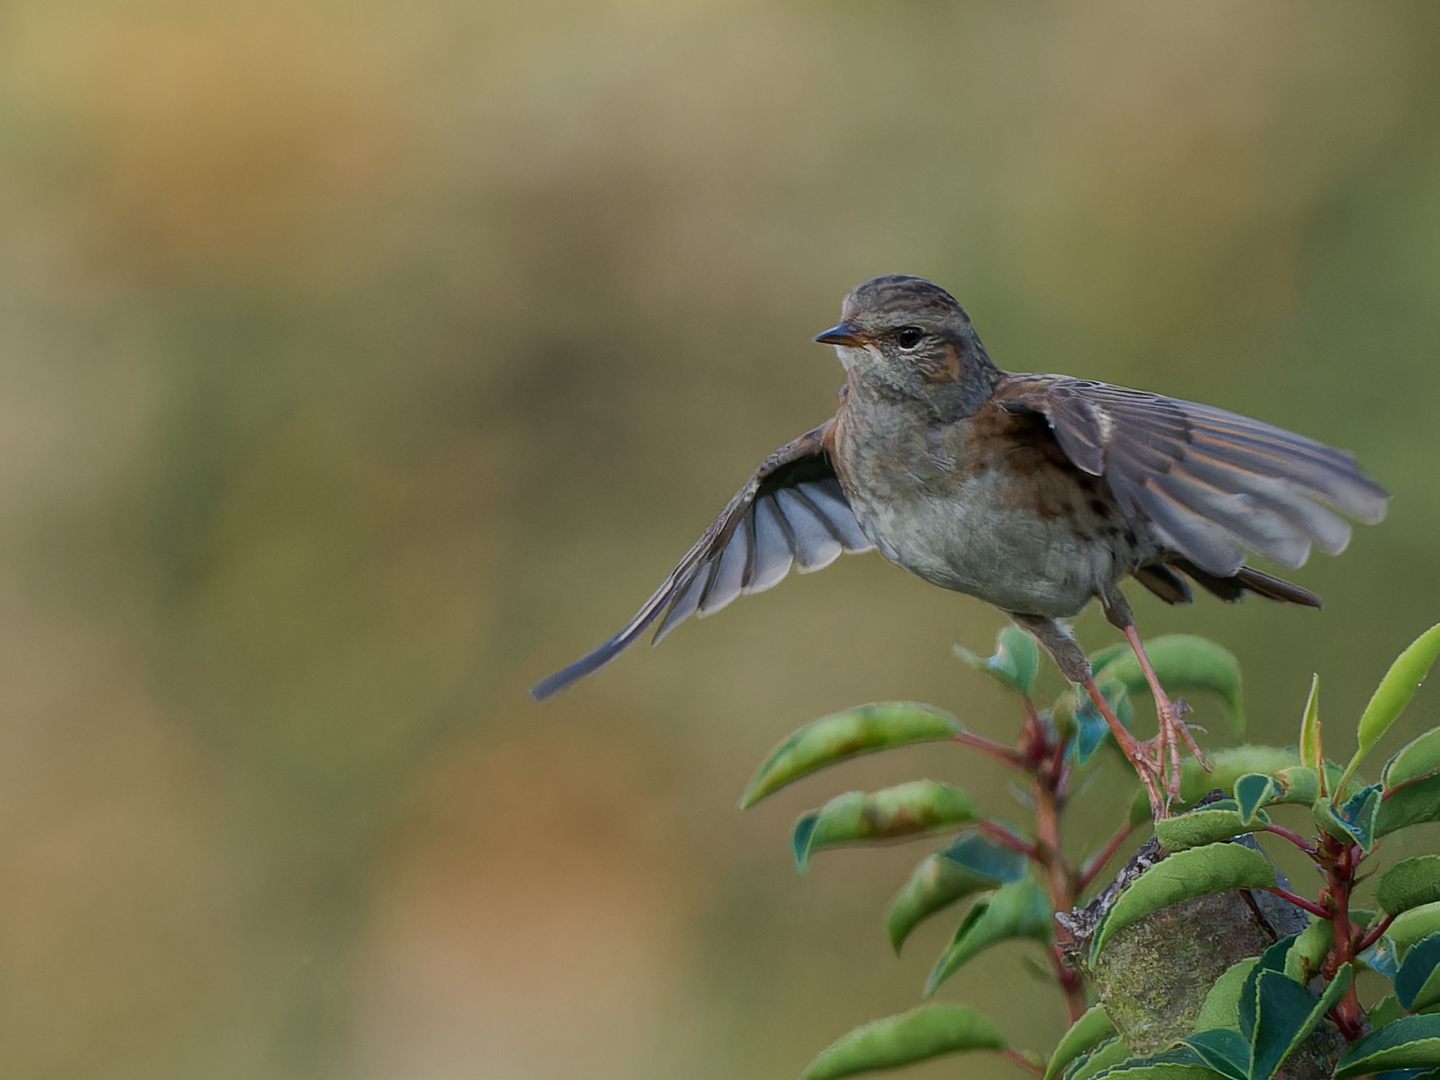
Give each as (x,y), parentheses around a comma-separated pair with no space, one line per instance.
(903,335)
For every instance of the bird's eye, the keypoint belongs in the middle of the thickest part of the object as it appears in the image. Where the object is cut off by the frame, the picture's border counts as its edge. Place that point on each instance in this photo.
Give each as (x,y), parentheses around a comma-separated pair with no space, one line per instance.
(909,336)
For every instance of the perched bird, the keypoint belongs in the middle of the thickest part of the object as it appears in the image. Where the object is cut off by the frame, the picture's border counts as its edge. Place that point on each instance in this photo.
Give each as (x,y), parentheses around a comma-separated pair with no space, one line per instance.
(1035,493)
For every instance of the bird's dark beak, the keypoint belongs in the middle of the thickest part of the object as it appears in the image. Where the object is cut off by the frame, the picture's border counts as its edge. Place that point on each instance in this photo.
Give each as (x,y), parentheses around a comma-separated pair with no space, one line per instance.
(844,333)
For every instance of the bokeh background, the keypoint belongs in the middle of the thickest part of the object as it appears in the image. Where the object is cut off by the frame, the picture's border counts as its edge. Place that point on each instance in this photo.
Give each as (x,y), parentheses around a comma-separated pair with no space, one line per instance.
(364,362)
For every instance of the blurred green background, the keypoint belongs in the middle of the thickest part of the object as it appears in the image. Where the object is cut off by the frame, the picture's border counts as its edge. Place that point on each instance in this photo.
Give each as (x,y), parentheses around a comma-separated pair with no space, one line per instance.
(364,362)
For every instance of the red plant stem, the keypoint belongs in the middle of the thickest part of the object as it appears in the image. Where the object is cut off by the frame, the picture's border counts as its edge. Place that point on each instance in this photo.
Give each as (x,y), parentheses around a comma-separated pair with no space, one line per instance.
(1047,837)
(1294,838)
(1032,718)
(1063,879)
(1092,867)
(1339,861)
(999,751)
(1300,902)
(1015,1057)
(1009,838)
(1060,769)
(1400,787)
(1374,934)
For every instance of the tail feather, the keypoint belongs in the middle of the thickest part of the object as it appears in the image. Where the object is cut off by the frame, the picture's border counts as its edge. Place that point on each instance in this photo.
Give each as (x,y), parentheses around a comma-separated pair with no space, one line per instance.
(1248,579)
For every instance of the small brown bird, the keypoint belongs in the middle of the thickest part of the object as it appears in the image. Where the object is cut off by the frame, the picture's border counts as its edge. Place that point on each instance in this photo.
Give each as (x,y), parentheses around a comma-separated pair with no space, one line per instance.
(1035,493)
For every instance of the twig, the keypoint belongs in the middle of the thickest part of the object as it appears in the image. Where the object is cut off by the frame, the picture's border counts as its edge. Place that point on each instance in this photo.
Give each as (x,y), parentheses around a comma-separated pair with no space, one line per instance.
(1300,902)
(1009,838)
(999,751)
(1015,1057)
(1294,838)
(1374,934)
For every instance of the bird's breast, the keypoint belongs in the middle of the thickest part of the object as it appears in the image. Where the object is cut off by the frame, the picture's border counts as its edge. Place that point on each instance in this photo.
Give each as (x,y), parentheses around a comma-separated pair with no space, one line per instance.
(991,510)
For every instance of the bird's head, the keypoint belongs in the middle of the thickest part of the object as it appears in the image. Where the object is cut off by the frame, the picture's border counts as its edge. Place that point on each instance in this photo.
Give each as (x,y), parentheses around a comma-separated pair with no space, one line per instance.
(906,336)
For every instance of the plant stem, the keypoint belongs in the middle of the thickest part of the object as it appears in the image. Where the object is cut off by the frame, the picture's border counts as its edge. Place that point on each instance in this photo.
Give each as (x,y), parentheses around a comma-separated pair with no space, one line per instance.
(1064,880)
(1294,838)
(1015,1057)
(1340,861)
(1299,901)
(999,751)
(1009,838)
(1374,934)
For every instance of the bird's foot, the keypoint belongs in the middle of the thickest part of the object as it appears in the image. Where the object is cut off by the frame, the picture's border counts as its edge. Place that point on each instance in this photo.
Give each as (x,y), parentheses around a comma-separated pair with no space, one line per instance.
(1148,765)
(1164,750)
(1172,730)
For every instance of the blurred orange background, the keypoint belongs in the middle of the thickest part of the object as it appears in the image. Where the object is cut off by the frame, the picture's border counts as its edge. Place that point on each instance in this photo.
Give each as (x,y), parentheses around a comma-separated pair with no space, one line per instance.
(363,363)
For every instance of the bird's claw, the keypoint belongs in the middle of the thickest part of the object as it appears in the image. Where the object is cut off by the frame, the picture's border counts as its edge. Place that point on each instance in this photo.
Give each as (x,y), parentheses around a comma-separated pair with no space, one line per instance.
(1163,751)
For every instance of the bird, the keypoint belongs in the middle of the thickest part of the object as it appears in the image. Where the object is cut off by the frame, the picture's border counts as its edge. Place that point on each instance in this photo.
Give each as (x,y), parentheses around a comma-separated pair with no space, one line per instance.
(1034,493)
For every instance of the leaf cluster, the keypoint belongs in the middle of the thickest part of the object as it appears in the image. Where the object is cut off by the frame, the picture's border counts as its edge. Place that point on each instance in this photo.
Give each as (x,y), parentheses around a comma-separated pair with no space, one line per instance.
(1014,879)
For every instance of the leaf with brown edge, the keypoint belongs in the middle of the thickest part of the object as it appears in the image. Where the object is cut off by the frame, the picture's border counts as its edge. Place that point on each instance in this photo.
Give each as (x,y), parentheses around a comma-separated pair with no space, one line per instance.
(845,735)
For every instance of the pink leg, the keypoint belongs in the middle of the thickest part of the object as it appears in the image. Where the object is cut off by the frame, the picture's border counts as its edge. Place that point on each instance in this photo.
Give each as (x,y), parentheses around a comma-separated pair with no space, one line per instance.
(1147,768)
(1172,729)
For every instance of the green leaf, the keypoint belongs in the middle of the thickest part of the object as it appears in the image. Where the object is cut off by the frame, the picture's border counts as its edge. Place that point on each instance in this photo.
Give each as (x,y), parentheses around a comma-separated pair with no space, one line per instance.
(1409,883)
(1229,765)
(1093,1028)
(1186,874)
(1077,719)
(1415,760)
(1104,1057)
(1394,693)
(1412,1042)
(1312,751)
(1252,791)
(1091,730)
(1312,945)
(1271,960)
(1415,983)
(1413,925)
(973,863)
(1380,958)
(1286,1013)
(844,735)
(1414,804)
(1355,820)
(1360,811)
(1299,784)
(1206,824)
(918,1035)
(1222,1049)
(1222,1003)
(1183,662)
(1387,1010)
(1017,910)
(903,810)
(1014,663)
(1177,1063)
(1103,658)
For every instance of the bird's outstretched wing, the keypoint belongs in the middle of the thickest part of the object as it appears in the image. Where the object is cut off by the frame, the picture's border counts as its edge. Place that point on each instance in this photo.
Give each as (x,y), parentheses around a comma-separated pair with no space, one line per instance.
(1207,480)
(791,512)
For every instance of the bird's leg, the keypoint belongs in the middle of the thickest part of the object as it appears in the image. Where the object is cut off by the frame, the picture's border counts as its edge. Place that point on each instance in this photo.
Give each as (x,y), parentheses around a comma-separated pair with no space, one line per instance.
(1073,665)
(1172,729)
(1146,767)
(1174,710)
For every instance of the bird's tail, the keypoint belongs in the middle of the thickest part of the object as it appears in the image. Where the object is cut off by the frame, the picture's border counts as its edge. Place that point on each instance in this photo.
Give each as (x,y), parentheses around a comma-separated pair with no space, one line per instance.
(1245,580)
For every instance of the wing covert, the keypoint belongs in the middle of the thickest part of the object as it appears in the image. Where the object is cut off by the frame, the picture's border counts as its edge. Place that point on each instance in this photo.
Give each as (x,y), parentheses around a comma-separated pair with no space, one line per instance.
(1209,481)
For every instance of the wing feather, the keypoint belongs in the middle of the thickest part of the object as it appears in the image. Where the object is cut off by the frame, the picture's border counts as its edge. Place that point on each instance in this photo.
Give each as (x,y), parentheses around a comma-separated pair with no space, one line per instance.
(792,512)
(816,546)
(774,554)
(1207,480)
